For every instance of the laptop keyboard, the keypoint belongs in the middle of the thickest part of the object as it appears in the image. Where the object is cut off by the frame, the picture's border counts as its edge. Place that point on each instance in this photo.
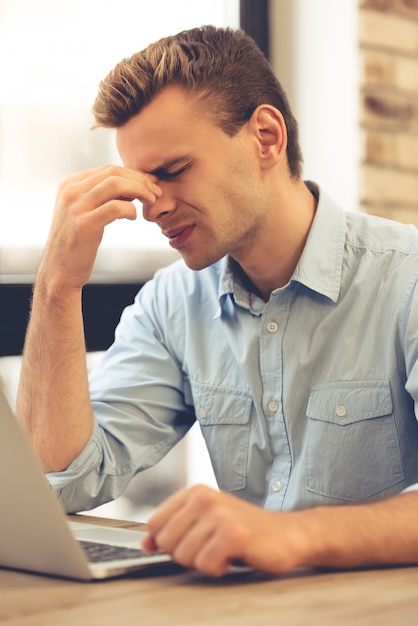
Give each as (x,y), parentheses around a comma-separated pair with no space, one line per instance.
(99,552)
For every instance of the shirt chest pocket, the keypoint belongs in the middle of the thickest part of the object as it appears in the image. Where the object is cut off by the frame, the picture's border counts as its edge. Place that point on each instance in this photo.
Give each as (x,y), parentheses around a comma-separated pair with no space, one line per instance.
(224,418)
(353,450)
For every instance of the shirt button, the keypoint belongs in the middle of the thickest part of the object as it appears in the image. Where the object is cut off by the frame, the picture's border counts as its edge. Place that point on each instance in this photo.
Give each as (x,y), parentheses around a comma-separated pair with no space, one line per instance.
(202,411)
(341,410)
(273,406)
(277,485)
(272,327)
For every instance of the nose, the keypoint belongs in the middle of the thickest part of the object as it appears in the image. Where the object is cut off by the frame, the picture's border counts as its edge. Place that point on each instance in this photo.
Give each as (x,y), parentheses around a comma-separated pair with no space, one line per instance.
(156,211)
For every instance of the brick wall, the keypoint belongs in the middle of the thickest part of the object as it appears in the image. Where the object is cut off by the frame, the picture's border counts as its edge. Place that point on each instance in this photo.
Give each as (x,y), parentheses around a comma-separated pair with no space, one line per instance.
(388,32)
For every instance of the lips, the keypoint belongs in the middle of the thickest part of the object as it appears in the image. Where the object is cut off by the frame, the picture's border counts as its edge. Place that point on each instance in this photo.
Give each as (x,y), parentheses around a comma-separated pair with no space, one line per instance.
(178,236)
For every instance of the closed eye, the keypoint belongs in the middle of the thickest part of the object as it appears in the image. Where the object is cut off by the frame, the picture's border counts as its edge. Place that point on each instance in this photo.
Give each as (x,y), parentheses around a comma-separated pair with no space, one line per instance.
(162,174)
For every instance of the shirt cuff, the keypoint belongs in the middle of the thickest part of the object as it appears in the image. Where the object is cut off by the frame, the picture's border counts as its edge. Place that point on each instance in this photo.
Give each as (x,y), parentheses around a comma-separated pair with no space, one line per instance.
(88,460)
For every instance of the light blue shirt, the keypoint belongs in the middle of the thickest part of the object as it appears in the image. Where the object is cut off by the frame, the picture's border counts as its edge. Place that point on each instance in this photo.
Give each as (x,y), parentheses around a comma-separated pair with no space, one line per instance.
(304,400)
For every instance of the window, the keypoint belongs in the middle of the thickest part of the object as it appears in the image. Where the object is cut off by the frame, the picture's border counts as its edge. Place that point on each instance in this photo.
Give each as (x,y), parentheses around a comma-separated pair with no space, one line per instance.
(52,57)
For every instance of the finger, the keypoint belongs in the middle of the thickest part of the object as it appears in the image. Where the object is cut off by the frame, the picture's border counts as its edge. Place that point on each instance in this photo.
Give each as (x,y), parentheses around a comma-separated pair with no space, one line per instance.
(109,212)
(183,524)
(148,544)
(165,511)
(114,187)
(103,171)
(173,524)
(214,557)
(116,181)
(189,544)
(92,188)
(196,500)
(206,546)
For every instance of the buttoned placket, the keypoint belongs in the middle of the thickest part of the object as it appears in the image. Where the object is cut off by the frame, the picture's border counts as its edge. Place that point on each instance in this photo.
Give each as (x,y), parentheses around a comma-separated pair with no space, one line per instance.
(272,328)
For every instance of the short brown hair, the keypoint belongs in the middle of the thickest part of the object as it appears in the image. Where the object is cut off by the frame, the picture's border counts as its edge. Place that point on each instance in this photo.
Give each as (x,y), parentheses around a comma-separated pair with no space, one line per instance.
(221,66)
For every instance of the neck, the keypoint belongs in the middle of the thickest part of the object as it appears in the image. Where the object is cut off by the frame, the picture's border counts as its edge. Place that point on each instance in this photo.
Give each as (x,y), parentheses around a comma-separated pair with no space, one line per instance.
(273,260)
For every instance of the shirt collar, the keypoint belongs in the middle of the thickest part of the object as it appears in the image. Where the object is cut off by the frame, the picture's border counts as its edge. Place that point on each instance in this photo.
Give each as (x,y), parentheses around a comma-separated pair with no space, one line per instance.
(320,265)
(228,284)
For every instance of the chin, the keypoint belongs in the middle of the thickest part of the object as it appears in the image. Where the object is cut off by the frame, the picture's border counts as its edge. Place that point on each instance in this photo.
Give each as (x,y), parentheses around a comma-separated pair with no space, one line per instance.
(199,264)
(195,265)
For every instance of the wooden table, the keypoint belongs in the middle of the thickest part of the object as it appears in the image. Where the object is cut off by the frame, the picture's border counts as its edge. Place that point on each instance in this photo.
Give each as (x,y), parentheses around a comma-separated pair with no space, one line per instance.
(377,597)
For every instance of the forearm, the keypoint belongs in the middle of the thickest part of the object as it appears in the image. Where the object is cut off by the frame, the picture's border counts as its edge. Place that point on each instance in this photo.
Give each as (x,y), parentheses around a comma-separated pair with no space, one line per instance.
(53,401)
(380,533)
(207,530)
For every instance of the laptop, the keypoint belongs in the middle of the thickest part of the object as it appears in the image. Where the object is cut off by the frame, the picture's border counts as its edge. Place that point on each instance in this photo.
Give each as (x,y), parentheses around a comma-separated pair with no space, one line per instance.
(35,534)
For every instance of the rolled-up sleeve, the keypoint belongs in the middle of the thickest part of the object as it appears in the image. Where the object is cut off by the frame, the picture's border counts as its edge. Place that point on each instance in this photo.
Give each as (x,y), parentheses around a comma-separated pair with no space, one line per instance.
(138,395)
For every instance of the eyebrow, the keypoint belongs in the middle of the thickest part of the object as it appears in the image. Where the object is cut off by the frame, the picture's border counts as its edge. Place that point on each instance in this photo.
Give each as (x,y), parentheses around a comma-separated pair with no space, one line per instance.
(165,168)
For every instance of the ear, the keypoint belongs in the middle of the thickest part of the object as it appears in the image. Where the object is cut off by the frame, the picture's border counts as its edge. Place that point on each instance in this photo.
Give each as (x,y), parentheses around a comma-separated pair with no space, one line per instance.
(269,130)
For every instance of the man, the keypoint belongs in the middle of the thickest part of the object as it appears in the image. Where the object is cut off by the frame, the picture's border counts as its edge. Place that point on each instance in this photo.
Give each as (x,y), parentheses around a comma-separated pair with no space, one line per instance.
(290,331)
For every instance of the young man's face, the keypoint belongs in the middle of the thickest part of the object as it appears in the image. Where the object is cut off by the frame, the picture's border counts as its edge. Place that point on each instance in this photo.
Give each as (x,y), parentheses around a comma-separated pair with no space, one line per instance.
(212,200)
